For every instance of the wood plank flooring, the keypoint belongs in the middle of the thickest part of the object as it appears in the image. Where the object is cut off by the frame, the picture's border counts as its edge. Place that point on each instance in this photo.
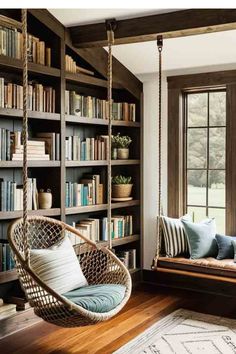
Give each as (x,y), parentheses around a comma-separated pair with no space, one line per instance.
(146,306)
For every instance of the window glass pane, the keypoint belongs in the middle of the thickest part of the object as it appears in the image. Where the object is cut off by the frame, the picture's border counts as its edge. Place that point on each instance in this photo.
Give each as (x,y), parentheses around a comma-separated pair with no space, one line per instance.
(198,214)
(217,108)
(197,110)
(217,148)
(219,215)
(216,188)
(196,182)
(197,148)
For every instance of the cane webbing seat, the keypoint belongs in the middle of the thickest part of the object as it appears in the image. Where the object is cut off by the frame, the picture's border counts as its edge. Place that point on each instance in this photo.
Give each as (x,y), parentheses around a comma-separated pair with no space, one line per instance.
(99,266)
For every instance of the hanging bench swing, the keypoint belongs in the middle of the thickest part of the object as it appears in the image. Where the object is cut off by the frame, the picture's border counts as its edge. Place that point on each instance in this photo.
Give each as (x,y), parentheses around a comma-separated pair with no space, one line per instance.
(107,281)
(203,268)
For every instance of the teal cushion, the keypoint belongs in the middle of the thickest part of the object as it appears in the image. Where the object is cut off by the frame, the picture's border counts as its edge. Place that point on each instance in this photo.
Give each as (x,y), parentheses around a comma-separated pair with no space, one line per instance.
(97,298)
(201,238)
(226,249)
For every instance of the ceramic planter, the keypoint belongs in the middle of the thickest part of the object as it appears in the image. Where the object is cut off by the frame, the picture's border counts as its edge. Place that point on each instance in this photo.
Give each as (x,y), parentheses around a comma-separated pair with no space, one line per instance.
(45,200)
(123,153)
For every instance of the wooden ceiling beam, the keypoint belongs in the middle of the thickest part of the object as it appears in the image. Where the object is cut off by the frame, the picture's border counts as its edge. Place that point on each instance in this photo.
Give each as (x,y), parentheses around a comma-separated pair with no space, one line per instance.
(97,58)
(170,25)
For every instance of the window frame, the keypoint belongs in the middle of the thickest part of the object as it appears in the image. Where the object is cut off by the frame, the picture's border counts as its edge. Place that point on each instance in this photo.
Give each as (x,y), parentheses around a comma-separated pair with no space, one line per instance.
(177,86)
(208,127)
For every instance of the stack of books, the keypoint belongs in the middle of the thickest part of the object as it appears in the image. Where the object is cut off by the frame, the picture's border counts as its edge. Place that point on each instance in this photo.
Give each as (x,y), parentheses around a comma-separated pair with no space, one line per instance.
(72,67)
(88,192)
(92,107)
(52,144)
(11,195)
(40,98)
(6,260)
(128,258)
(6,310)
(11,43)
(96,229)
(86,150)
(36,149)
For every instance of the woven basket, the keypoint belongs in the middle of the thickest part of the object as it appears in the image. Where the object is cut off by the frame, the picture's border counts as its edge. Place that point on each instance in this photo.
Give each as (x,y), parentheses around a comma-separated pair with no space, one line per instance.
(121,190)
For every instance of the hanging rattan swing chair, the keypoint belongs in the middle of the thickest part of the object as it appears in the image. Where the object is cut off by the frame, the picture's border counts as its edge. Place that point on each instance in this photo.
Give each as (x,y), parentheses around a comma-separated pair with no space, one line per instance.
(98,264)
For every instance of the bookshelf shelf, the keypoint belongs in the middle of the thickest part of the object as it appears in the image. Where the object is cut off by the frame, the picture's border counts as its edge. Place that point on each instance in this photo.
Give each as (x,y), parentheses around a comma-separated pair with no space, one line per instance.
(100,163)
(100,207)
(88,79)
(97,121)
(19,164)
(18,214)
(17,113)
(17,66)
(8,276)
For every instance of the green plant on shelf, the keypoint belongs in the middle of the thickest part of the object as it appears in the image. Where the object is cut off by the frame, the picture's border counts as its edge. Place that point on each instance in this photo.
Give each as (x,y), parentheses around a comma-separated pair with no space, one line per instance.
(121,180)
(121,141)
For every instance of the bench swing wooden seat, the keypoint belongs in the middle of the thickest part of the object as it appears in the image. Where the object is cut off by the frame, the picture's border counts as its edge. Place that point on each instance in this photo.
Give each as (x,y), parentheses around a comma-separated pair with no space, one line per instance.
(204,268)
(99,265)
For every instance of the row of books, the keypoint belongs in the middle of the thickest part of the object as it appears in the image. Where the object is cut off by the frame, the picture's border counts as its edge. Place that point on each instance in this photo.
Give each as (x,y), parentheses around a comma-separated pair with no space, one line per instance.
(72,67)
(128,258)
(6,260)
(40,98)
(90,191)
(11,195)
(97,229)
(86,150)
(11,44)
(92,107)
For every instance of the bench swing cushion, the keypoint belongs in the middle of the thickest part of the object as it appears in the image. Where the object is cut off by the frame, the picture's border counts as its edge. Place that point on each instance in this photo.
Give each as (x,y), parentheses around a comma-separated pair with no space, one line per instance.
(97,298)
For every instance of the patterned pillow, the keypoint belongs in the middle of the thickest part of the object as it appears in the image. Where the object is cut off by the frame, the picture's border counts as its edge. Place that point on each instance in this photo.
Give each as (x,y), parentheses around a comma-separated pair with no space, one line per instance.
(175,238)
(58,267)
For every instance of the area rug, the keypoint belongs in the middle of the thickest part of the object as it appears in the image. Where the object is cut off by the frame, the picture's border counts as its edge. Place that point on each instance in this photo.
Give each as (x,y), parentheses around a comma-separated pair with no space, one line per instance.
(186,332)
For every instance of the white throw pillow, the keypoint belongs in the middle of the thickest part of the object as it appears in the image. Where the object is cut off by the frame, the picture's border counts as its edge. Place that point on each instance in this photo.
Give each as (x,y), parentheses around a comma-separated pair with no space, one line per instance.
(175,238)
(58,267)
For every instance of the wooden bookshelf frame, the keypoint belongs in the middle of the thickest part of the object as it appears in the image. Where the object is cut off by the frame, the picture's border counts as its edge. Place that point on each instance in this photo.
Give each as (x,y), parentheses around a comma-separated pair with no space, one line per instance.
(128,86)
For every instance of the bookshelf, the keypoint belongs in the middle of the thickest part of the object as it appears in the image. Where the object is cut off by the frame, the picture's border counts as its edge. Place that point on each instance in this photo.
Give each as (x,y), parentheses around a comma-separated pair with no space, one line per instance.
(54,174)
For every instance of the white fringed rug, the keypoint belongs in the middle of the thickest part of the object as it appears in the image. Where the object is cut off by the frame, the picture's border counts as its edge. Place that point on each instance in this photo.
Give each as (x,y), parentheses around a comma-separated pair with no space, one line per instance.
(186,332)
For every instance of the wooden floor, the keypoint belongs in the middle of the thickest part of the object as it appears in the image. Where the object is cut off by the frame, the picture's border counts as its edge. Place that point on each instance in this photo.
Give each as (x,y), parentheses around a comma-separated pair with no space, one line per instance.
(146,306)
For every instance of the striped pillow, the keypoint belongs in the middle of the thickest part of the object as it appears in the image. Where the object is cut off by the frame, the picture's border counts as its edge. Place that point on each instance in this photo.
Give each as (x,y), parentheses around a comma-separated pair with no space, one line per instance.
(175,238)
(58,267)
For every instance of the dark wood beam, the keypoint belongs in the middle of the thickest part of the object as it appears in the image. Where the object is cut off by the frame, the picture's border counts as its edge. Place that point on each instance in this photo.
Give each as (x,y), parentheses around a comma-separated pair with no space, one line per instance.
(170,25)
(97,57)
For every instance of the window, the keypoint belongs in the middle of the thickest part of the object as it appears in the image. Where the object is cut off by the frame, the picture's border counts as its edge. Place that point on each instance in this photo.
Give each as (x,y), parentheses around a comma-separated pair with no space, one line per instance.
(205,118)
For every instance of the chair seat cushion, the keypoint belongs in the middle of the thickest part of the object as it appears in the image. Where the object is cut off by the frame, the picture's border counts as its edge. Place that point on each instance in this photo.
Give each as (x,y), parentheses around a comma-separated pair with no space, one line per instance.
(97,298)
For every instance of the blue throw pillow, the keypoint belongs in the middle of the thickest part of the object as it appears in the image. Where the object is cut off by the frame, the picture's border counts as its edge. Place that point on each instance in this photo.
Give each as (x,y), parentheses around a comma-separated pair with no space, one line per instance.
(225,246)
(201,238)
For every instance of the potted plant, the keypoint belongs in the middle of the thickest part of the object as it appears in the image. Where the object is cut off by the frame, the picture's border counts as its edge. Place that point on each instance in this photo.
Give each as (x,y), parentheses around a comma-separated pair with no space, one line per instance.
(121,143)
(121,187)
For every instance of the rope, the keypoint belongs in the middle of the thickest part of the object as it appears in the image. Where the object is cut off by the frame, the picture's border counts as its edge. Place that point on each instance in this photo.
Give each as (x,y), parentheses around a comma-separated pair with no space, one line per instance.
(110,39)
(25,133)
(159,205)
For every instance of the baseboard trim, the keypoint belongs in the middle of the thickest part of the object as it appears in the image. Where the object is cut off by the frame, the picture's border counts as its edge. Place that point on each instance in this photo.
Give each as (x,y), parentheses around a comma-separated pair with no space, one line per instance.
(186,282)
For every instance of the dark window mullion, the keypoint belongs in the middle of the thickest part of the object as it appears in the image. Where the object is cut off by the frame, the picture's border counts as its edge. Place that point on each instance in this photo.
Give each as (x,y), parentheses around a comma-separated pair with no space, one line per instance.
(208,153)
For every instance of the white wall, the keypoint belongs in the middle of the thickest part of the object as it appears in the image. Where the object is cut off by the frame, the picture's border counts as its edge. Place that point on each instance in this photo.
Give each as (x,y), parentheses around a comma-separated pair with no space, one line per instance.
(150,156)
